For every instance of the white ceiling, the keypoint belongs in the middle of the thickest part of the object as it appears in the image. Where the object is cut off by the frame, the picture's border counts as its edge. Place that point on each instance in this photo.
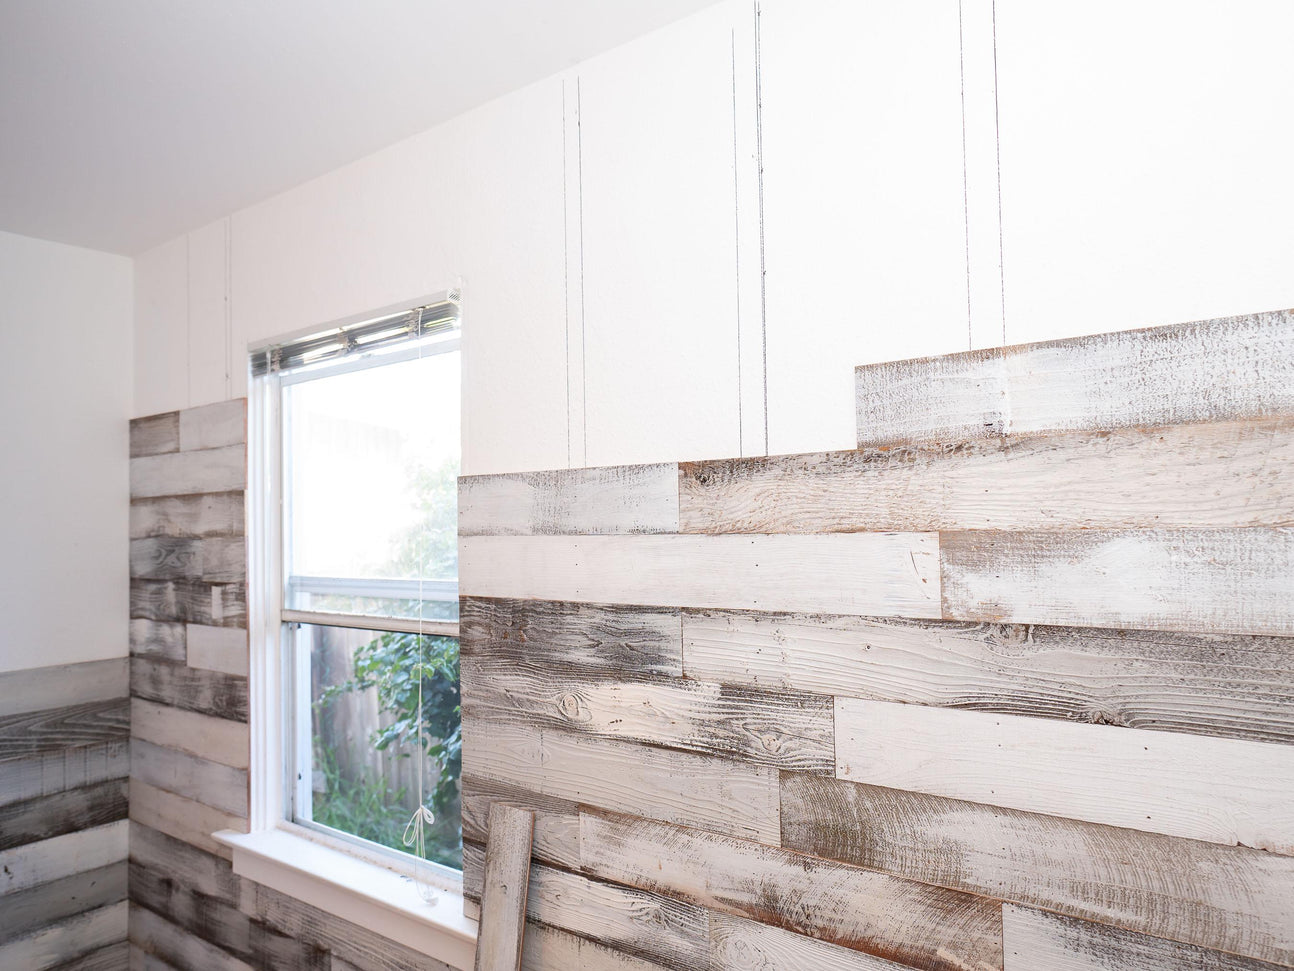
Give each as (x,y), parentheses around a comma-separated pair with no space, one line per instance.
(124,123)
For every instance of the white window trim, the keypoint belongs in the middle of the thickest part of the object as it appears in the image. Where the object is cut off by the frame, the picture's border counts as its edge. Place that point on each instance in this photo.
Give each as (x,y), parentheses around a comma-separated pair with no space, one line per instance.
(330,874)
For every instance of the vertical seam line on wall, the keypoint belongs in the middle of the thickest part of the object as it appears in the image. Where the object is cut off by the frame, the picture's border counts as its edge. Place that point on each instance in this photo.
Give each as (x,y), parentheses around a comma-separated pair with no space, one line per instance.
(229,309)
(763,266)
(188,322)
(584,364)
(961,57)
(566,275)
(736,236)
(997,134)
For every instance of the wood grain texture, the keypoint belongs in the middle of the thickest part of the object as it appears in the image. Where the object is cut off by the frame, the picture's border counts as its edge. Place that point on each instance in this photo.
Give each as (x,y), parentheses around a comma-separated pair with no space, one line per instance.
(114,957)
(1036,939)
(206,692)
(1213,370)
(190,602)
(64,941)
(184,819)
(891,918)
(216,739)
(1108,479)
(196,516)
(189,473)
(737,944)
(784,729)
(1231,685)
(143,961)
(59,685)
(1229,898)
(63,812)
(191,867)
(548,949)
(210,783)
(1221,581)
(218,649)
(32,864)
(31,909)
(216,559)
(213,426)
(158,639)
(602,636)
(848,573)
(503,894)
(156,936)
(74,726)
(557,821)
(61,769)
(681,787)
(155,434)
(613,499)
(1216,789)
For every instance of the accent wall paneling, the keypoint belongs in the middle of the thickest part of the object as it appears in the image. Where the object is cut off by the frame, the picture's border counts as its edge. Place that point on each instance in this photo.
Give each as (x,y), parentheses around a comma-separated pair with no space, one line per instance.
(1029,647)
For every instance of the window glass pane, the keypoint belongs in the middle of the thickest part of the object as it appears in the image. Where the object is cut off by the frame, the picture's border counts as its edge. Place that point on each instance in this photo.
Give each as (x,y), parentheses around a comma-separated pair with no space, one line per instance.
(370,470)
(357,754)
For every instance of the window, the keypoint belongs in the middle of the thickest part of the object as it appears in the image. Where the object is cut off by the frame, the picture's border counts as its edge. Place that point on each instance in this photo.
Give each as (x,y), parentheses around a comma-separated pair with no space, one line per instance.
(357,493)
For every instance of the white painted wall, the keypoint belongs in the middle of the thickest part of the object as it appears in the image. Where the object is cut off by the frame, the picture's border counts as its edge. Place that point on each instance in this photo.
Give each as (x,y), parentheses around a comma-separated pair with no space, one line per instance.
(605,223)
(65,392)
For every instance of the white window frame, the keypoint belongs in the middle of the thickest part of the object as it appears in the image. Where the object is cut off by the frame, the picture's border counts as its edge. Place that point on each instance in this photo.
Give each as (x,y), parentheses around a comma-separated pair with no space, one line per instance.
(348,877)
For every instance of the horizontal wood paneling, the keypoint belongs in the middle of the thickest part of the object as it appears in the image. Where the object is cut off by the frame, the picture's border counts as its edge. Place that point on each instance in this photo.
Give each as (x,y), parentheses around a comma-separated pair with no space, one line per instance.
(184,819)
(1190,580)
(215,559)
(217,739)
(1125,478)
(218,649)
(1035,939)
(59,685)
(680,787)
(189,601)
(75,726)
(155,434)
(155,935)
(557,821)
(61,769)
(614,499)
(855,573)
(193,868)
(196,516)
(1232,685)
(882,915)
(1226,897)
(32,864)
(157,639)
(213,426)
(210,783)
(114,957)
(602,636)
(31,909)
(737,944)
(72,937)
(1213,370)
(188,473)
(63,812)
(548,949)
(1215,789)
(206,692)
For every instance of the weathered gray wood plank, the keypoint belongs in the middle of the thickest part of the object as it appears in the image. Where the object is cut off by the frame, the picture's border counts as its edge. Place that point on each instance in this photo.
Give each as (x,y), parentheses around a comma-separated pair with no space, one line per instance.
(31,909)
(737,944)
(849,573)
(157,638)
(157,936)
(783,729)
(184,819)
(882,915)
(32,864)
(155,434)
(196,516)
(217,739)
(218,649)
(503,894)
(216,559)
(1230,898)
(213,426)
(63,812)
(65,940)
(189,601)
(613,499)
(603,636)
(191,867)
(728,797)
(1220,581)
(1210,370)
(557,821)
(548,949)
(74,726)
(1035,939)
(58,685)
(113,957)
(188,473)
(207,692)
(210,783)
(1215,475)
(1232,685)
(61,769)
(142,961)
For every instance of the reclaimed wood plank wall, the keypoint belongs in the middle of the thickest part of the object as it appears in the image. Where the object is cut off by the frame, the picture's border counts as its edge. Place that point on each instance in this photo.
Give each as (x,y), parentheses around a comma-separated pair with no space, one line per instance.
(1009,687)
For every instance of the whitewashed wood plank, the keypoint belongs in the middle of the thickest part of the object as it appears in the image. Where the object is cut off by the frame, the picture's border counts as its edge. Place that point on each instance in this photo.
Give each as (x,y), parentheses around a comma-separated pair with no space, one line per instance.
(55,729)
(503,895)
(59,685)
(157,638)
(922,926)
(557,821)
(67,939)
(1233,685)
(548,949)
(157,936)
(183,819)
(114,957)
(1034,939)
(190,601)
(155,434)
(207,692)
(1220,581)
(728,797)
(1225,897)
(216,739)
(612,499)
(218,648)
(140,960)
(846,573)
(35,863)
(194,869)
(30,910)
(186,473)
(214,426)
(738,944)
(1210,370)
(533,633)
(1213,475)
(62,769)
(197,516)
(216,559)
(70,811)
(1217,789)
(210,783)
(784,729)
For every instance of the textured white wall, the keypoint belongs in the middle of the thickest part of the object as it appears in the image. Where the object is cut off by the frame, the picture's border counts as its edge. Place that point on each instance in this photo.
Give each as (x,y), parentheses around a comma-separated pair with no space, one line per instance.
(65,392)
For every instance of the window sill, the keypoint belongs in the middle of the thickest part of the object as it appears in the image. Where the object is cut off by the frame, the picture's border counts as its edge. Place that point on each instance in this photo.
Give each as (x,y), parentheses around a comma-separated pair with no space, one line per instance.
(353,889)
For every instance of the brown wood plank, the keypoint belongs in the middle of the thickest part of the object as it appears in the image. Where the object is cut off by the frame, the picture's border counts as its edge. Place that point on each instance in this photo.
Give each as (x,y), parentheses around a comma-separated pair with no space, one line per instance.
(1225,897)
(207,692)
(155,434)
(189,601)
(1120,479)
(882,915)
(1231,685)
(73,726)
(216,559)
(503,894)
(557,821)
(1212,580)
(219,786)
(196,516)
(783,729)
(605,636)
(1211,370)
(46,903)
(63,812)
